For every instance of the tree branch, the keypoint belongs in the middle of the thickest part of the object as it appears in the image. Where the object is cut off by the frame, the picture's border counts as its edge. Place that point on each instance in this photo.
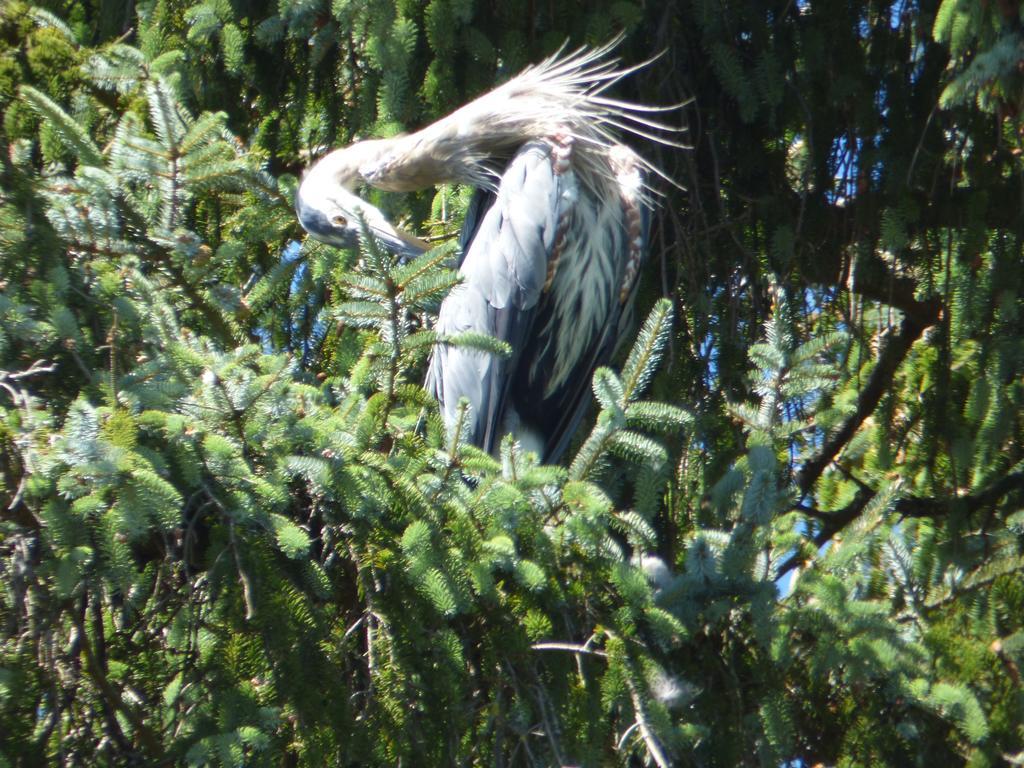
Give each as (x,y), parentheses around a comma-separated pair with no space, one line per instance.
(111,699)
(918,315)
(936,507)
(833,522)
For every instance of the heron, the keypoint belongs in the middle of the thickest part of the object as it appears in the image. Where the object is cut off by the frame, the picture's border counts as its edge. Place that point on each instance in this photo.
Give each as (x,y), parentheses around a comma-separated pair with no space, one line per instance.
(551,246)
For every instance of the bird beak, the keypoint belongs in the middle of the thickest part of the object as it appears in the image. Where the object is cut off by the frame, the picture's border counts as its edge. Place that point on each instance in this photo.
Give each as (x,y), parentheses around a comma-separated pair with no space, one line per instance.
(400,243)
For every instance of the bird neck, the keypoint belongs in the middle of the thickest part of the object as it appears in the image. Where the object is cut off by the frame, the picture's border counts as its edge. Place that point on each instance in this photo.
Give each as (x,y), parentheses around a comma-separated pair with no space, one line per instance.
(341,167)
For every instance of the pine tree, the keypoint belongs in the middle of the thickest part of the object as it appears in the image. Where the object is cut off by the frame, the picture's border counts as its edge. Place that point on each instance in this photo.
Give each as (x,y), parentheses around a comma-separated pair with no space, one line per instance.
(235,530)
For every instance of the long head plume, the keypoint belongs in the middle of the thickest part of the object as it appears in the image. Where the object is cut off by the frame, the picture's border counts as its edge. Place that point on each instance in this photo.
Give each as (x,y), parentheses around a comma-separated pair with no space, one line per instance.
(564,95)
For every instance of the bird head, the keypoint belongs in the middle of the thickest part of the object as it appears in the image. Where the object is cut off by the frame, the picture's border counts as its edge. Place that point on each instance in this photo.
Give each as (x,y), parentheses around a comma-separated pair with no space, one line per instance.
(330,211)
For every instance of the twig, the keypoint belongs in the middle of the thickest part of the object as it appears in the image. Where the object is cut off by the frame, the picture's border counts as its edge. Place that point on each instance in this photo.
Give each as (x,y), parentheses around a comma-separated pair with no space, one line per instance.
(38,367)
(247,592)
(622,740)
(653,747)
(568,647)
(16,500)
(23,400)
(354,627)
(550,721)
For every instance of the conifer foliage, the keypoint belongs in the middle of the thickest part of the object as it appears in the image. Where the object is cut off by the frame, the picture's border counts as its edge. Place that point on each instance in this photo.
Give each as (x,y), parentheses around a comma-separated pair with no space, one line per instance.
(234,529)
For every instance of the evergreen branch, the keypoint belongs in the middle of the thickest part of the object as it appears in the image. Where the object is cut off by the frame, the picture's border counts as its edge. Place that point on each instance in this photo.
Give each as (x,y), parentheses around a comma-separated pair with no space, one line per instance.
(937,209)
(591,453)
(208,131)
(878,384)
(990,65)
(197,300)
(479,342)
(77,140)
(608,390)
(424,264)
(43,18)
(646,352)
(877,283)
(167,120)
(455,438)
(429,289)
(365,287)
(660,417)
(982,577)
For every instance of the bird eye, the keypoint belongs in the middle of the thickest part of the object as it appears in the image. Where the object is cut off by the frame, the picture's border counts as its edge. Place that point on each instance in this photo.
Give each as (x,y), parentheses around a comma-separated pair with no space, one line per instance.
(339,221)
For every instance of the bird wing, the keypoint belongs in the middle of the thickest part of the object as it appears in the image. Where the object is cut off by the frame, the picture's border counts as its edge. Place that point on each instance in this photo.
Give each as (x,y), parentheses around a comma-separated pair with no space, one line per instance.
(553,403)
(504,270)
(588,311)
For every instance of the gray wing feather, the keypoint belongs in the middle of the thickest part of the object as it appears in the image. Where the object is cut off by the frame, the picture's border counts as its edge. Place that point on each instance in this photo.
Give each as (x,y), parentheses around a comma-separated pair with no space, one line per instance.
(504,269)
